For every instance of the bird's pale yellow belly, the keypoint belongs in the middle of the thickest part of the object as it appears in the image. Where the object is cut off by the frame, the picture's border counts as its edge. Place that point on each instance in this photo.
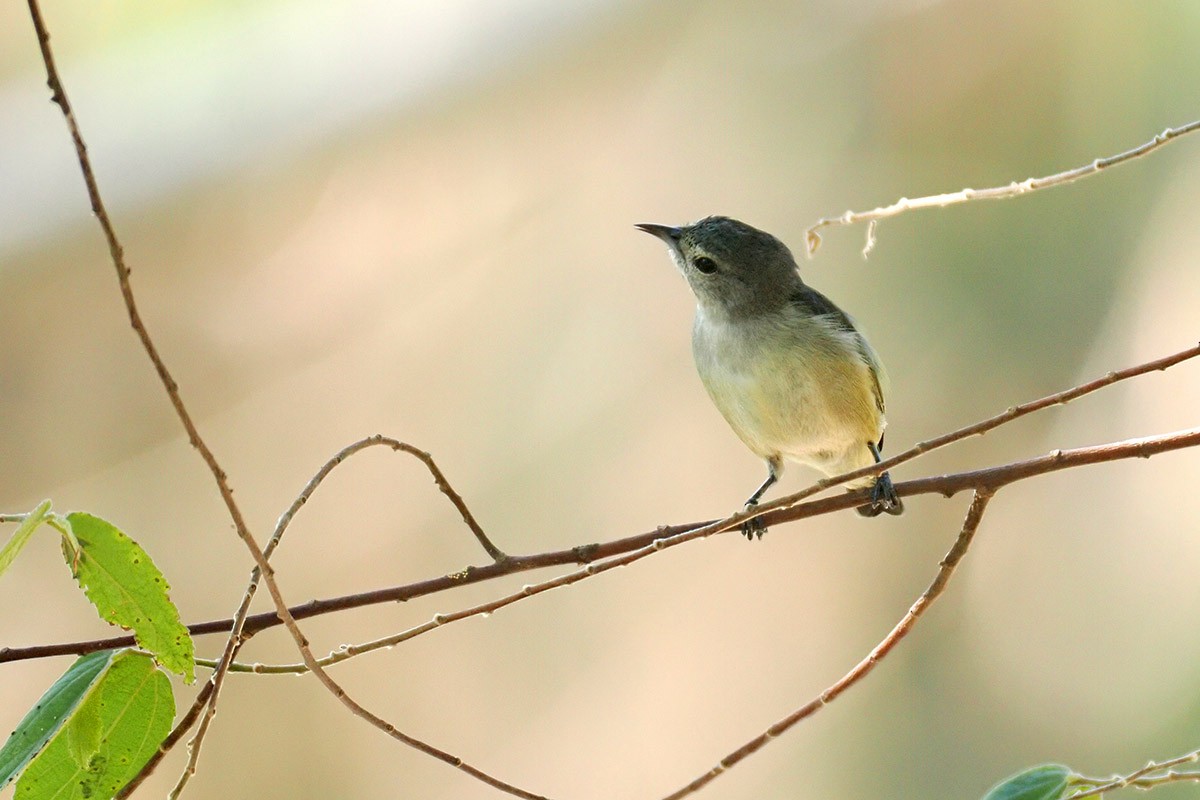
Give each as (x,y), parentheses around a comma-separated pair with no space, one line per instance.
(803,392)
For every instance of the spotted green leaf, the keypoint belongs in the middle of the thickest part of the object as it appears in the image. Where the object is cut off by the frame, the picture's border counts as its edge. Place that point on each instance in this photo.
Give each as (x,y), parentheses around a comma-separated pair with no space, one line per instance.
(127,589)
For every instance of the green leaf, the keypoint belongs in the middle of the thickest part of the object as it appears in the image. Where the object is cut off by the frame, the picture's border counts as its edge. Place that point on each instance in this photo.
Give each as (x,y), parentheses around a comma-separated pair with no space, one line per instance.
(84,734)
(24,531)
(128,590)
(131,706)
(1045,782)
(46,718)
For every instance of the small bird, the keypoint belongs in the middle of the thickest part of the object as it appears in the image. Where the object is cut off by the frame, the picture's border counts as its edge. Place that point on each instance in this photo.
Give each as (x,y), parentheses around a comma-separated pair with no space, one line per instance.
(787,368)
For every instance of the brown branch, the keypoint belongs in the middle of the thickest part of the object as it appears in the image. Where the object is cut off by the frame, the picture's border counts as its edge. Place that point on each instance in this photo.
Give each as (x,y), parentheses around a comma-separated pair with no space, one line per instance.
(862,668)
(59,96)
(116,251)
(666,536)
(872,217)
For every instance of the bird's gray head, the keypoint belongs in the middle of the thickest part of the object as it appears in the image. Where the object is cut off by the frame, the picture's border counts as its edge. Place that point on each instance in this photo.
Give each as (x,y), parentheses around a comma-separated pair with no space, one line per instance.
(734,270)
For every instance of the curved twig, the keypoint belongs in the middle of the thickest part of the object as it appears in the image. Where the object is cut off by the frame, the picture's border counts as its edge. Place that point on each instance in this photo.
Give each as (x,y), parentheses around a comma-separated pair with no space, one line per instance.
(238,636)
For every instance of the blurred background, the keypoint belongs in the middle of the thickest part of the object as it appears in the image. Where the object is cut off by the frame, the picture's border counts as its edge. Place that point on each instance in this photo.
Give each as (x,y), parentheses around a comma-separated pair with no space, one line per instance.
(416,219)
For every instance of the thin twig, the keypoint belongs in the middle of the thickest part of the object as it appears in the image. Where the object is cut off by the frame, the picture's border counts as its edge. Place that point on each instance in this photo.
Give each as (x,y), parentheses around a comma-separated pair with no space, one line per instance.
(813,239)
(59,96)
(862,668)
(302,644)
(1143,778)
(379,440)
(496,553)
(116,251)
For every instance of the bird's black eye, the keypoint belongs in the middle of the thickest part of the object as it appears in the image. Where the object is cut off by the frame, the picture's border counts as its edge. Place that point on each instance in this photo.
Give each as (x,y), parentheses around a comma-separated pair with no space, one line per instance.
(704,264)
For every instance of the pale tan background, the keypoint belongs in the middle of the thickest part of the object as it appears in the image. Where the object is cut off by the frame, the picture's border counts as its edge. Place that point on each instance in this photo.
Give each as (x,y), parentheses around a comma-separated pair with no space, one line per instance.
(416,219)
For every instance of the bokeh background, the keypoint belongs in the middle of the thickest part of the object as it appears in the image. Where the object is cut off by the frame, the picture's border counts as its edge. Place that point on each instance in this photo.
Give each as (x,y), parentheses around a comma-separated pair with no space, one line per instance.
(416,219)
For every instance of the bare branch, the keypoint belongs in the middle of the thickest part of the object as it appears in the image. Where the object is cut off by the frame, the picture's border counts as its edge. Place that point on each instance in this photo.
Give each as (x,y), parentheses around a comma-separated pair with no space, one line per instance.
(878,653)
(812,239)
(117,253)
(59,96)
(632,548)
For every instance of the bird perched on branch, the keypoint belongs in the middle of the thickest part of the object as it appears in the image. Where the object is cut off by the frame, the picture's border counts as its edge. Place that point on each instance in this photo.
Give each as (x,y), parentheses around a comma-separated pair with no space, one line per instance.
(787,368)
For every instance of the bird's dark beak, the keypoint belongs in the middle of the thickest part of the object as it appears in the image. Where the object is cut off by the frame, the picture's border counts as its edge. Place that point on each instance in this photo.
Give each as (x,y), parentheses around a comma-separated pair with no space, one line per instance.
(665,232)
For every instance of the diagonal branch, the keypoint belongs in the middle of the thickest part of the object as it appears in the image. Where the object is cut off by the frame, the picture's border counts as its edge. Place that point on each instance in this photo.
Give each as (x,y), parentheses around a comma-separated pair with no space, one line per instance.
(59,96)
(872,217)
(116,251)
(862,668)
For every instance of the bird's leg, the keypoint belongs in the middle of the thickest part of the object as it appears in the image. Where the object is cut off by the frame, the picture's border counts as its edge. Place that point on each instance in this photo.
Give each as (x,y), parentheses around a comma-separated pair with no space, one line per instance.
(755,527)
(883,494)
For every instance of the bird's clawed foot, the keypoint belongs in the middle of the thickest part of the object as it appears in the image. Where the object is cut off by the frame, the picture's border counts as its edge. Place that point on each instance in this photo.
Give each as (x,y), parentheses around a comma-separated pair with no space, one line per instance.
(753,528)
(883,498)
